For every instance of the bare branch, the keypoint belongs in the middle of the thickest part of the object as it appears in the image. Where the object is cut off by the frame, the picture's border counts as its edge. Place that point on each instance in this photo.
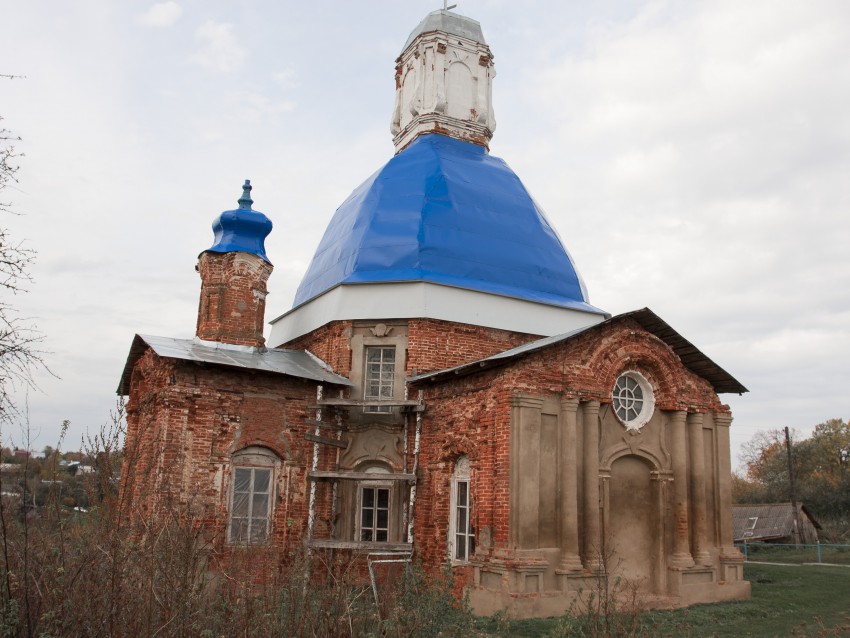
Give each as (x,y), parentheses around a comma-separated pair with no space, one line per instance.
(20,340)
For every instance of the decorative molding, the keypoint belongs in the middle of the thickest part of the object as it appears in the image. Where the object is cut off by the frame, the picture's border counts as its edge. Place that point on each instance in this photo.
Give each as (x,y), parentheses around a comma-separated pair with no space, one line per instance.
(381,330)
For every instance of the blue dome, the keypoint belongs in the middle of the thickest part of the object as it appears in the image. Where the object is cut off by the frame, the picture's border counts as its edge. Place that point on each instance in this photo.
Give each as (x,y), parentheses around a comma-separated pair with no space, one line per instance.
(242,230)
(445,211)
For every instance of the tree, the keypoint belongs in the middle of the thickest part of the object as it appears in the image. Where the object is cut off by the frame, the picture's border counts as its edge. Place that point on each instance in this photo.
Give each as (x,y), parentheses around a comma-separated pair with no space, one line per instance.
(821,466)
(19,339)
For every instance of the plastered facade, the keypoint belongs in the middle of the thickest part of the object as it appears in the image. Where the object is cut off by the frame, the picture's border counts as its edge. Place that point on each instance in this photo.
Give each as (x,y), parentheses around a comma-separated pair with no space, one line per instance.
(563,490)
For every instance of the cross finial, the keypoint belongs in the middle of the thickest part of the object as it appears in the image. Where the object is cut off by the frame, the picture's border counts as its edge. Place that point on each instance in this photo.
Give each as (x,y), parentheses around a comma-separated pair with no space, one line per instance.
(446,6)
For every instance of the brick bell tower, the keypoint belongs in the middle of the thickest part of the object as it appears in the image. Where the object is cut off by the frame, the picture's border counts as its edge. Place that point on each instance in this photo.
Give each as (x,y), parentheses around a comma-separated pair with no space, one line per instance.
(234,273)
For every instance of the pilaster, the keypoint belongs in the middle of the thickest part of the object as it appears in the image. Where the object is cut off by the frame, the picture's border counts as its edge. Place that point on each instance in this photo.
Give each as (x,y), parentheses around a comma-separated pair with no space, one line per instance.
(525,472)
(568,483)
(696,447)
(724,478)
(681,557)
(592,537)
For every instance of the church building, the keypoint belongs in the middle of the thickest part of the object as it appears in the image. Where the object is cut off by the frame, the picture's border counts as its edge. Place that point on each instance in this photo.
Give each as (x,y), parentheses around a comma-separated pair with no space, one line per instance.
(442,387)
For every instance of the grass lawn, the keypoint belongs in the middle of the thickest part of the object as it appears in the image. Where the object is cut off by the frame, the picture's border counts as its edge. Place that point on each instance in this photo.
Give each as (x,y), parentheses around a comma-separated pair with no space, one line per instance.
(835,554)
(787,601)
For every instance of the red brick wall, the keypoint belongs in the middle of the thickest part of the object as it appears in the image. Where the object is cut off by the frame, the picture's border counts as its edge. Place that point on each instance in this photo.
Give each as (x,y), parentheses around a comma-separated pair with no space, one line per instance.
(184,421)
(233,298)
(436,345)
(431,344)
(471,416)
(187,419)
(329,343)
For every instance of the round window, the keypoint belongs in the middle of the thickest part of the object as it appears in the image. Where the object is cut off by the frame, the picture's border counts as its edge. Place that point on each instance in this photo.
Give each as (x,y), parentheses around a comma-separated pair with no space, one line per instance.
(633,400)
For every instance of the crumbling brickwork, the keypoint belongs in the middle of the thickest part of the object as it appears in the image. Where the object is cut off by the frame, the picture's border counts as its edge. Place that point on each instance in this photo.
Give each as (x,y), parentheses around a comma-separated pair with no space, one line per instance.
(185,422)
(233,297)
(432,344)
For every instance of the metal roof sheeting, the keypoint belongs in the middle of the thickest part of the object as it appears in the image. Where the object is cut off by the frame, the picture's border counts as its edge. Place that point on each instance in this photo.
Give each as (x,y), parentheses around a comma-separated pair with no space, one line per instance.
(689,355)
(446,212)
(293,363)
(770,522)
(448,22)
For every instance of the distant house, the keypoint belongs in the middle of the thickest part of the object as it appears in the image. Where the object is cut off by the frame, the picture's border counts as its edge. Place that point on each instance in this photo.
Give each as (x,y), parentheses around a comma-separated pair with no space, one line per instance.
(75,467)
(773,523)
(6,468)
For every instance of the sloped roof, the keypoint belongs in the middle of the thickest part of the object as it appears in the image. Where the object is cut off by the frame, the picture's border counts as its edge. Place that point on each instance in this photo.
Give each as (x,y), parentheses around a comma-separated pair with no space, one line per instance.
(293,363)
(448,22)
(766,522)
(691,357)
(445,211)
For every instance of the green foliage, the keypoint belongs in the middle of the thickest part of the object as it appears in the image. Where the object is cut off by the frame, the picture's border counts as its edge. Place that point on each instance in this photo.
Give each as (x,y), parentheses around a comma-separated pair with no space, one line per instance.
(786,601)
(821,467)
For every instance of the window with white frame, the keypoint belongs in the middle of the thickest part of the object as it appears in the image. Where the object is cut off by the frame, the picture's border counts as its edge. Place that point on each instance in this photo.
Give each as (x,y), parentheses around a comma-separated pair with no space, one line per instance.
(374,513)
(375,507)
(251,495)
(461,532)
(379,377)
(633,400)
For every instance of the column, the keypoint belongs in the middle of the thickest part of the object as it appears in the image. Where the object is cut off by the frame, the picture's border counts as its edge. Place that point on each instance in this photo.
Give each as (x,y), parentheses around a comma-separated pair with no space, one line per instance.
(592,539)
(696,447)
(568,482)
(659,581)
(724,479)
(681,556)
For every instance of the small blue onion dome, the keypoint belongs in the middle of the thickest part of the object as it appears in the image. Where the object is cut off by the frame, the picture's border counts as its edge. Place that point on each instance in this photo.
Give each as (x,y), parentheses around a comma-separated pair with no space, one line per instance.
(242,230)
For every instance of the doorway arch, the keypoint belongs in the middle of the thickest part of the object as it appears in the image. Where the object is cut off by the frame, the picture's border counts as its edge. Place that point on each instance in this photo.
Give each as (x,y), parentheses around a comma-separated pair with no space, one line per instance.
(633,524)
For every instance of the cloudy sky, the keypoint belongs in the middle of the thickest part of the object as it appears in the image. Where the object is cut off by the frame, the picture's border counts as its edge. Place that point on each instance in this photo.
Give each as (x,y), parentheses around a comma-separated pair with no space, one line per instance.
(694,156)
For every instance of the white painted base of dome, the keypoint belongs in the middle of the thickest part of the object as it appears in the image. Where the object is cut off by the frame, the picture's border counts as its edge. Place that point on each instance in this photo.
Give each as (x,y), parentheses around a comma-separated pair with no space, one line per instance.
(411,300)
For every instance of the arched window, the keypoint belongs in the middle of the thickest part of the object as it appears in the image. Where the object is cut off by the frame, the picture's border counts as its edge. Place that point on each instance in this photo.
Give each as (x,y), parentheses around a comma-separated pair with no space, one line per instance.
(252,495)
(461,532)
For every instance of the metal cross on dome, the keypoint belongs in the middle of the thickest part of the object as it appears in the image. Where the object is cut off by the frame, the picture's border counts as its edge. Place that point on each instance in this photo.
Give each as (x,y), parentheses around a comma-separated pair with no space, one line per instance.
(446,6)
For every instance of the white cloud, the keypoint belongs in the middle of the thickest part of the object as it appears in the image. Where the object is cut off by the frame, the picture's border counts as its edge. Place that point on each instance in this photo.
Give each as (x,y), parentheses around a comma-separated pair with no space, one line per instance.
(220,50)
(286,79)
(693,157)
(162,14)
(710,144)
(258,105)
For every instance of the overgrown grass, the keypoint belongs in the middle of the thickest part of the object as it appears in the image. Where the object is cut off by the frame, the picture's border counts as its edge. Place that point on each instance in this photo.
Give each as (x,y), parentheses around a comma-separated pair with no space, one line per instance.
(787,601)
(79,577)
(105,573)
